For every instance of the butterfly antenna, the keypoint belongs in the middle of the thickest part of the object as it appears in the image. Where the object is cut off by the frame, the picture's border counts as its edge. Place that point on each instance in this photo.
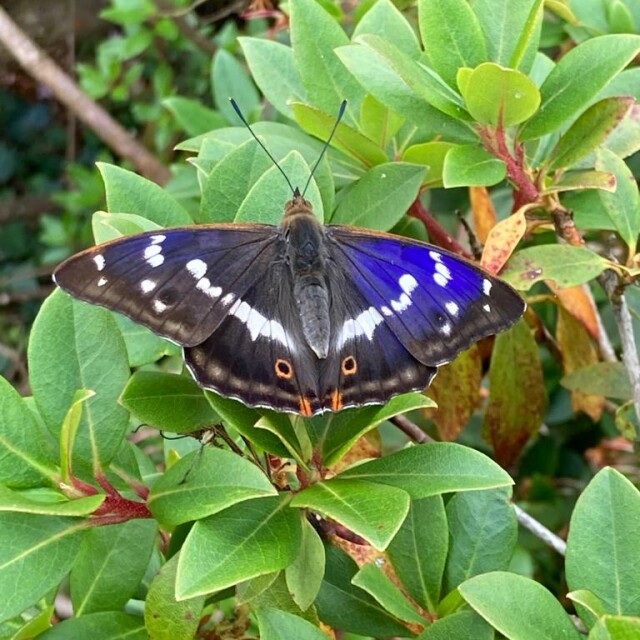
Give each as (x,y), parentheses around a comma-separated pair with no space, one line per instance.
(343,107)
(236,108)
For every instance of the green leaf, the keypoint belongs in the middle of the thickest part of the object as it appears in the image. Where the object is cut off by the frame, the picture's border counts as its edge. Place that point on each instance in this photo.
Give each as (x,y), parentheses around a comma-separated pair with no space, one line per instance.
(346,139)
(484,532)
(128,192)
(384,19)
(47,502)
(577,79)
(565,265)
(27,544)
(379,77)
(274,70)
(451,35)
(193,116)
(98,581)
(603,547)
(500,97)
(203,483)
(609,379)
(378,122)
(167,402)
(280,625)
(344,606)
(340,431)
(373,511)
(143,346)
(166,618)
(511,30)
(421,79)
(74,346)
(616,628)
(513,417)
(381,197)
(432,469)
(109,226)
(241,542)
(229,79)
(106,625)
(304,575)
(623,205)
(27,455)
(461,624)
(589,131)
(69,430)
(589,606)
(470,165)
(314,37)
(432,156)
(581,180)
(518,607)
(266,199)
(421,573)
(376,583)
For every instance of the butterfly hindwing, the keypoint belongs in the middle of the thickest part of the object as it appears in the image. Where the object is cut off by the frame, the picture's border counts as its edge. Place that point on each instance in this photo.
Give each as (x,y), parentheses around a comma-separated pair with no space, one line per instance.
(178,282)
(435,303)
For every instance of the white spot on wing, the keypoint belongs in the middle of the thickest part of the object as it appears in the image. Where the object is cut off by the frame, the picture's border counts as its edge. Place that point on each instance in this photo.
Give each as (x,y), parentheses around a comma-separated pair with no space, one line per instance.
(147,286)
(486,307)
(155,261)
(486,286)
(407,283)
(445,329)
(402,304)
(257,324)
(204,285)
(440,280)
(364,324)
(452,308)
(102,282)
(158,306)
(159,239)
(434,255)
(386,311)
(443,270)
(152,250)
(100,261)
(197,268)
(228,299)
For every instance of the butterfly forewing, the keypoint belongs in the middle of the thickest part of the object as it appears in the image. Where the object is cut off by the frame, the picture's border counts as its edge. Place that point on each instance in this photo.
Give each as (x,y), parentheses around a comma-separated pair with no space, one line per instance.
(436,303)
(180,283)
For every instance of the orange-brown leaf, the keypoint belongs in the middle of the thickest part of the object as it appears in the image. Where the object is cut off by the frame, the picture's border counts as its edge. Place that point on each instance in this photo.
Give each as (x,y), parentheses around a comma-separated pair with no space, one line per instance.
(502,240)
(579,304)
(484,214)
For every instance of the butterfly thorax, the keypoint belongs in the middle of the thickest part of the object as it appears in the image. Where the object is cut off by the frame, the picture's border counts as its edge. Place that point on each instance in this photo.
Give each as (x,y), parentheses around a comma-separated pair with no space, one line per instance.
(306,256)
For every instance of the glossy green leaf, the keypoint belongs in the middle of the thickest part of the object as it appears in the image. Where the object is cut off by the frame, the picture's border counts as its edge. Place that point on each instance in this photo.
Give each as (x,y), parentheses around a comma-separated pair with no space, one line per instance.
(108,226)
(581,180)
(342,605)
(194,117)
(470,165)
(513,417)
(166,618)
(577,79)
(519,608)
(461,624)
(373,511)
(451,35)
(75,345)
(106,625)
(498,96)
(69,429)
(432,469)
(98,581)
(47,502)
(167,402)
(384,19)
(511,30)
(603,547)
(128,192)
(205,482)
(484,532)
(381,197)
(431,155)
(623,205)
(314,37)
(274,70)
(143,346)
(372,579)
(280,625)
(27,544)
(420,573)
(229,79)
(304,575)
(590,130)
(609,379)
(241,542)
(616,628)
(378,122)
(567,266)
(588,605)
(27,454)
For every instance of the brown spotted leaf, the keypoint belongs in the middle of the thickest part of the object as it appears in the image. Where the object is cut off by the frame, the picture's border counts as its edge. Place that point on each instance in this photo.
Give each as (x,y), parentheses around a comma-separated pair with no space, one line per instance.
(517,400)
(456,389)
(579,304)
(502,241)
(578,352)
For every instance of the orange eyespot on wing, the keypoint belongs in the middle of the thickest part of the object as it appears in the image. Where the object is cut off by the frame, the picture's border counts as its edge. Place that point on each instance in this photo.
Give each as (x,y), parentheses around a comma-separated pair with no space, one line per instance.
(283,369)
(349,366)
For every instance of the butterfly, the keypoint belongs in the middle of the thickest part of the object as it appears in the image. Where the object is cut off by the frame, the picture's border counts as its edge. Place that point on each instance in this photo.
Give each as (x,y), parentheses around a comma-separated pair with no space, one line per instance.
(299,317)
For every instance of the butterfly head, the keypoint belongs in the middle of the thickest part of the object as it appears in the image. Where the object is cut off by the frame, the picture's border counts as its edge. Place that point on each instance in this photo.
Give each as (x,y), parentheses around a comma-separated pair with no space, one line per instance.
(297,206)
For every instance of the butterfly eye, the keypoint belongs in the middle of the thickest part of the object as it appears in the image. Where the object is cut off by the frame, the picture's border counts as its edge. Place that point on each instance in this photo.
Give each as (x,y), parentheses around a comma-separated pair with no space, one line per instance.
(349,366)
(283,369)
